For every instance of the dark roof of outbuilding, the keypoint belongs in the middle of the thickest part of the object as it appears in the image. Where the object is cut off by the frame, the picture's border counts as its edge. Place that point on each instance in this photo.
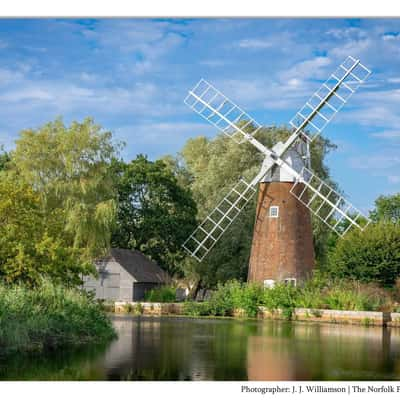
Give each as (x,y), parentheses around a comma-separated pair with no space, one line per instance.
(139,266)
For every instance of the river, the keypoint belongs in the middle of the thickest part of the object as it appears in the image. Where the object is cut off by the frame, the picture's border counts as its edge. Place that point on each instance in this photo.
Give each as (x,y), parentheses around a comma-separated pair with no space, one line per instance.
(173,348)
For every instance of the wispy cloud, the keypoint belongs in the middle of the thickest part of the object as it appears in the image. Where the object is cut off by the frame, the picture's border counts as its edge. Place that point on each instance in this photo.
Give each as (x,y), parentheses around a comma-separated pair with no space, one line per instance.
(387,134)
(160,138)
(255,44)
(394,179)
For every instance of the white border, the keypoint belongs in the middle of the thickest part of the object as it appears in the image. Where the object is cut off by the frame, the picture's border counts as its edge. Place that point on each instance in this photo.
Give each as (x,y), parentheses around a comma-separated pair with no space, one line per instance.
(204,8)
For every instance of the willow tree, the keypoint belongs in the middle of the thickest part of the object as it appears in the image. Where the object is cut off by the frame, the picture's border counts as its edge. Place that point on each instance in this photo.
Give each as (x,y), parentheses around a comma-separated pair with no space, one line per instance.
(68,166)
(210,167)
(32,245)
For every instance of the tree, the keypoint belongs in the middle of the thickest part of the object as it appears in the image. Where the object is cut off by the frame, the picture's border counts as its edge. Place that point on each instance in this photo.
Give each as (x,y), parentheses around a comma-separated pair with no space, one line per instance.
(30,245)
(387,208)
(69,168)
(210,168)
(372,255)
(4,158)
(155,214)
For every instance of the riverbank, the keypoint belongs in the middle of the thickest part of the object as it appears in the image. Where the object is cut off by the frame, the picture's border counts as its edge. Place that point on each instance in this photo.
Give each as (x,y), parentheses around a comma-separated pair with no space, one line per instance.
(49,316)
(364,318)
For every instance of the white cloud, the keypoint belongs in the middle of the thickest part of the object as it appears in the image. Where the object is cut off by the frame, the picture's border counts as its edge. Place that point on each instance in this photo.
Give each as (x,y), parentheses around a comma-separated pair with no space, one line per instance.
(394,178)
(213,63)
(146,41)
(387,134)
(352,48)
(347,33)
(159,138)
(27,93)
(391,36)
(314,68)
(10,76)
(255,44)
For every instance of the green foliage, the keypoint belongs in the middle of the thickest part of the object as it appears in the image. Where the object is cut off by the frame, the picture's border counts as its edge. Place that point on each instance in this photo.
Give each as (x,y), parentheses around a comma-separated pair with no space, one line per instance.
(320,292)
(282,297)
(387,209)
(4,159)
(69,168)
(355,297)
(155,214)
(163,294)
(196,309)
(30,242)
(210,168)
(369,256)
(49,316)
(235,295)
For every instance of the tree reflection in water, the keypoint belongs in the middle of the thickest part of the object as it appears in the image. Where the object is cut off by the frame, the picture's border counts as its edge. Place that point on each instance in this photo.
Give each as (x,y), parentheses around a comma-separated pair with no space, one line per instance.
(172,348)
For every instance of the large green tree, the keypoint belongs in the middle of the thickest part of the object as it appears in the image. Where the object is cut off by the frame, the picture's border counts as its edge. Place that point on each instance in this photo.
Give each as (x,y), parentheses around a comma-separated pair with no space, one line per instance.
(31,246)
(155,214)
(68,166)
(210,167)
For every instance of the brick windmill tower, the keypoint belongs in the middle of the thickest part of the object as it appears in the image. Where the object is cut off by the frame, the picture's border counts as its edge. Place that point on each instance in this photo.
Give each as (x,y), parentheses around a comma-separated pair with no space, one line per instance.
(289,191)
(282,247)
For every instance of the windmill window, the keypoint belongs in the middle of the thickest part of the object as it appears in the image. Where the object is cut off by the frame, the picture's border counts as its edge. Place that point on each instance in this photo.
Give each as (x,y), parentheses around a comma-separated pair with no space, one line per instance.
(274,212)
(290,281)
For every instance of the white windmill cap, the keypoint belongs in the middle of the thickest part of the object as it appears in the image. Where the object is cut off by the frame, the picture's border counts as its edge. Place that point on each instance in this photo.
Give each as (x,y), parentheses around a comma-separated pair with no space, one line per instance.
(291,157)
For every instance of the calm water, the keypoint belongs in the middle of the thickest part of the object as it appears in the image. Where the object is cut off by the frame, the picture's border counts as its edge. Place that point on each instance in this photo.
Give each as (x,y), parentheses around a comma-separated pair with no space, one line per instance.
(161,348)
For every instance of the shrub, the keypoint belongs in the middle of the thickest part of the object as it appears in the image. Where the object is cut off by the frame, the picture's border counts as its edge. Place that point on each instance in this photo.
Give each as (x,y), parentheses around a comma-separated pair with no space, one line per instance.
(222,301)
(235,295)
(196,309)
(49,316)
(281,296)
(369,256)
(163,294)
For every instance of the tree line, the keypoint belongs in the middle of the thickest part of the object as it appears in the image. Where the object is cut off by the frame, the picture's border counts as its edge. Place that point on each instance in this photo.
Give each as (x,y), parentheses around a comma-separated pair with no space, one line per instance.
(66,196)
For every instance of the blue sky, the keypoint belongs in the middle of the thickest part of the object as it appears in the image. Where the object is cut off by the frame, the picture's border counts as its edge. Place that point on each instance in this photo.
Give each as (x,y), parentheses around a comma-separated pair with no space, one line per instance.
(131,76)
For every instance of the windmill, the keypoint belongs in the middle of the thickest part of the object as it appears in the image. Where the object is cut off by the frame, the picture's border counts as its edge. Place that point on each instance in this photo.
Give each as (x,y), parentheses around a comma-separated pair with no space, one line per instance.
(282,247)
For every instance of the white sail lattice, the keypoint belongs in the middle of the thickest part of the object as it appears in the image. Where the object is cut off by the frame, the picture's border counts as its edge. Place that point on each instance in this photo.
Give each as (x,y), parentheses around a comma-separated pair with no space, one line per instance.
(203,239)
(322,200)
(327,204)
(333,94)
(221,112)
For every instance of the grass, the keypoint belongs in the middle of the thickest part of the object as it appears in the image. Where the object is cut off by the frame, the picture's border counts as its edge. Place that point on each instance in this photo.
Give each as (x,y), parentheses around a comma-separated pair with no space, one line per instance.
(49,316)
(163,294)
(317,293)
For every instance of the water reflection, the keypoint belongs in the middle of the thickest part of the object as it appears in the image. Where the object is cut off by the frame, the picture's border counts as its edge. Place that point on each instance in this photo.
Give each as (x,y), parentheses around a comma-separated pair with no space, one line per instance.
(160,348)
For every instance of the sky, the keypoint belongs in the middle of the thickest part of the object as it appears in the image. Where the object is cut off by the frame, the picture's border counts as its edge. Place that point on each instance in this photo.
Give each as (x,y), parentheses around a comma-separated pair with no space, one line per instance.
(131,76)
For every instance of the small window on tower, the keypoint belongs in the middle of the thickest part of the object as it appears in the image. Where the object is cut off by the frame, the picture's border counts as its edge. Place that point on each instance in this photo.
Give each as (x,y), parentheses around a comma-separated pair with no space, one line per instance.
(290,281)
(274,212)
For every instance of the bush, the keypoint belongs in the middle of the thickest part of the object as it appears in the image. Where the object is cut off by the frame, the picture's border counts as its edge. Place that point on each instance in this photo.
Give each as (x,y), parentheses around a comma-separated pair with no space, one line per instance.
(49,316)
(196,309)
(281,296)
(369,256)
(163,294)
(235,295)
(320,292)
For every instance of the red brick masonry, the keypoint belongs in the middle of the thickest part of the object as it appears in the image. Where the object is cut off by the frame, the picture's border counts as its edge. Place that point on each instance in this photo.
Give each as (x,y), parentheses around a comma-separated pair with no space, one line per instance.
(282,247)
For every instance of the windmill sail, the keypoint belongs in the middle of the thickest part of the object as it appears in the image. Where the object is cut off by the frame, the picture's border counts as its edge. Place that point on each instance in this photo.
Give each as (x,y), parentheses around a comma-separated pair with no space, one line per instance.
(206,235)
(322,200)
(221,112)
(327,204)
(333,94)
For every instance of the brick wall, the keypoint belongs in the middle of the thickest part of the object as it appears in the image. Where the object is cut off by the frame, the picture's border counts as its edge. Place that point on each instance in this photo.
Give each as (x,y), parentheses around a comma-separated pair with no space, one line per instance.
(282,247)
